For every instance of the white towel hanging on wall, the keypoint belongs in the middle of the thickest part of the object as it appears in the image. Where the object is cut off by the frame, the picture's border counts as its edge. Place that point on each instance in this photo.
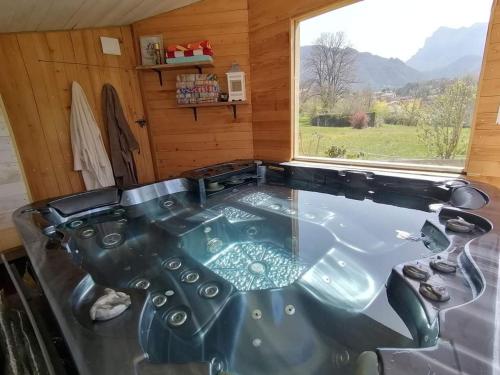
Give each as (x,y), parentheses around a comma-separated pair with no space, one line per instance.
(89,154)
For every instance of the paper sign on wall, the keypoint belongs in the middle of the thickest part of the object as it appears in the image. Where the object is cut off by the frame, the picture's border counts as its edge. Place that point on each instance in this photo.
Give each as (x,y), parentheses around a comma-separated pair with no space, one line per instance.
(110,46)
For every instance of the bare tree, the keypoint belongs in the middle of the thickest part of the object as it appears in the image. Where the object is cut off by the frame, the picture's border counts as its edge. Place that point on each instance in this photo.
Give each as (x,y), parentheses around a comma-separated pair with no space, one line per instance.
(331,65)
(305,94)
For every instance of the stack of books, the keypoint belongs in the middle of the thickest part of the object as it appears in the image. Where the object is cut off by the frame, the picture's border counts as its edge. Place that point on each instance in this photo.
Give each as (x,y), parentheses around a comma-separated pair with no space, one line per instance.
(197,88)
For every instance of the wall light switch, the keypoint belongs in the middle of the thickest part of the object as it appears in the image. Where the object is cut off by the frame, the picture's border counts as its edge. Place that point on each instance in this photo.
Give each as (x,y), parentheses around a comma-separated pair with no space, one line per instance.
(110,46)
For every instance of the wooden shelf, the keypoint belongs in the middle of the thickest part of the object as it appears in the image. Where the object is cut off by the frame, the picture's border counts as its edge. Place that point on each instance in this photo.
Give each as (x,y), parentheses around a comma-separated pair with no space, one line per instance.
(195,106)
(216,104)
(199,65)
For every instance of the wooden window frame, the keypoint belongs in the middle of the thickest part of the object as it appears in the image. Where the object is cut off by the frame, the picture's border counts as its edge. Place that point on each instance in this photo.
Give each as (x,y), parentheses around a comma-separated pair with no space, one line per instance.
(395,166)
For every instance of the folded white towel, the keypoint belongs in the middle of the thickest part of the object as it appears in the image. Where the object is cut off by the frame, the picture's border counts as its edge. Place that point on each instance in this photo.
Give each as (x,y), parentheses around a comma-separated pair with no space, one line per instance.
(110,305)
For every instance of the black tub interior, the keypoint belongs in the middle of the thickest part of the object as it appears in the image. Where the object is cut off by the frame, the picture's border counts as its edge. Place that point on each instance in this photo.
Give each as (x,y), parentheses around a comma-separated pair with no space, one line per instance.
(266,279)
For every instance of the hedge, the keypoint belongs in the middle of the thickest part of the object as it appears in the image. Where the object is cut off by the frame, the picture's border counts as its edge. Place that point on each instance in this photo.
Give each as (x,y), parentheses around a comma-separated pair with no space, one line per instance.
(339,121)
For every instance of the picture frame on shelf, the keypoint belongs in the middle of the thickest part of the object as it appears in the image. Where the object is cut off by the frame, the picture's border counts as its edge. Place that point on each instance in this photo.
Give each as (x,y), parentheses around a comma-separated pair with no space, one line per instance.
(152,51)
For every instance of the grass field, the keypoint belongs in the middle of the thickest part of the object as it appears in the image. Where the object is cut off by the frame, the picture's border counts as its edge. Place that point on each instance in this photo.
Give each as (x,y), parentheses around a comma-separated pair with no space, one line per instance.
(384,143)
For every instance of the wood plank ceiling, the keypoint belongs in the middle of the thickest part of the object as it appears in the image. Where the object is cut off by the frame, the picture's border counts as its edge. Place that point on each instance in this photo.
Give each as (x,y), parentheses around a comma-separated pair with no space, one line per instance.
(45,15)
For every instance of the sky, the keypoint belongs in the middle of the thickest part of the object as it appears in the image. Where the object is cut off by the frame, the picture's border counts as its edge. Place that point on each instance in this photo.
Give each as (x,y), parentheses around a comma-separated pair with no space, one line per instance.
(394,28)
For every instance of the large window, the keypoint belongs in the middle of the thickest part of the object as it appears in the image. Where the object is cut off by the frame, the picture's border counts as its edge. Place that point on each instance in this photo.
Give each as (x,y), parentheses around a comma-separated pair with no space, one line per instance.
(390,81)
(13,192)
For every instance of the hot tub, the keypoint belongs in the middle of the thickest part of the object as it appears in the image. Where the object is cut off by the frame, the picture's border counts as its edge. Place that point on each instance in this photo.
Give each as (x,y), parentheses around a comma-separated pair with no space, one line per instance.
(248,268)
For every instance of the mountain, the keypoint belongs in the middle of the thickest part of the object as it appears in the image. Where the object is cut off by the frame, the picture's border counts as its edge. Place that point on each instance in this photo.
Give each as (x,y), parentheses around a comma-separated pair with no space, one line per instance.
(447,46)
(378,72)
(464,66)
(371,71)
(448,53)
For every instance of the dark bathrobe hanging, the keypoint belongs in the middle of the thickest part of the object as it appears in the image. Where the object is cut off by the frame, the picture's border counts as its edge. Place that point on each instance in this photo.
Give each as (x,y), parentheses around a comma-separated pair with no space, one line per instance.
(121,140)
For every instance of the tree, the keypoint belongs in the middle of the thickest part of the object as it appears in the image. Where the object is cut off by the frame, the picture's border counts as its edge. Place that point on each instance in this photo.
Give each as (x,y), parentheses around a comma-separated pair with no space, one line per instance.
(443,120)
(411,106)
(410,111)
(381,110)
(305,94)
(331,65)
(359,120)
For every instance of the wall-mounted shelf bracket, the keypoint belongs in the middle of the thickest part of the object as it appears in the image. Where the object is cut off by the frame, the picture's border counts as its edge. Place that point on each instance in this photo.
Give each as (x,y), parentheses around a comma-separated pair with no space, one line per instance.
(195,107)
(160,77)
(159,68)
(234,111)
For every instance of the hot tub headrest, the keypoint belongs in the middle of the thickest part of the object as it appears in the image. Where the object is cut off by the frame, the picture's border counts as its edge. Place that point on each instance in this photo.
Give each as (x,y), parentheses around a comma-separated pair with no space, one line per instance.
(194,368)
(73,204)
(468,198)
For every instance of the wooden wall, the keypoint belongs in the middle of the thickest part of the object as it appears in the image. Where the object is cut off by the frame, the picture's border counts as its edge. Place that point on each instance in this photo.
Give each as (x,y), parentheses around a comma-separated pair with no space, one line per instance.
(35,82)
(270,23)
(37,69)
(484,153)
(179,143)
